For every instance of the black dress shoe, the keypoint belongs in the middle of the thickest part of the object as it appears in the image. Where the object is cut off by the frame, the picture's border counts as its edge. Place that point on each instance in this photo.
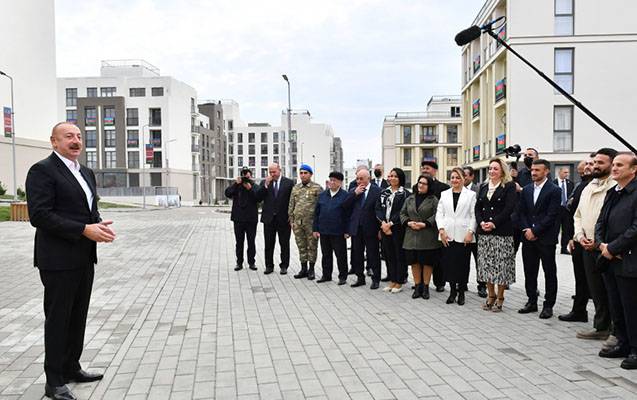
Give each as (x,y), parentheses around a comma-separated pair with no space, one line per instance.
(374,285)
(461,298)
(58,392)
(528,308)
(284,271)
(547,312)
(573,317)
(482,292)
(268,271)
(440,289)
(83,376)
(425,292)
(631,361)
(253,267)
(324,279)
(618,351)
(360,282)
(238,268)
(342,282)
(385,279)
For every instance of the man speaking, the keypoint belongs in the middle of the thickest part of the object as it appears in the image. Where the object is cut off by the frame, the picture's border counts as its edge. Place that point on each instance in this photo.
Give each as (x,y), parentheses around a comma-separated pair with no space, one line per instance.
(62,202)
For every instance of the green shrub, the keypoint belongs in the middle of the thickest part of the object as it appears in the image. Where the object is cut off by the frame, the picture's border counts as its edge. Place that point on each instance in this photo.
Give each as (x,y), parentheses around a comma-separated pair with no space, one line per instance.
(3,190)
(22,194)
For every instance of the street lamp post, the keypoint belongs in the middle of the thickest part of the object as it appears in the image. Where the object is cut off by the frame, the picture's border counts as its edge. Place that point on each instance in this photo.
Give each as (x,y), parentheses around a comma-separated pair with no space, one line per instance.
(144,165)
(15,180)
(285,77)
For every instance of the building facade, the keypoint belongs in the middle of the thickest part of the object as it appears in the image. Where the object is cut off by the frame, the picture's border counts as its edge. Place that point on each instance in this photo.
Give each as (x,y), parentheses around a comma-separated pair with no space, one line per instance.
(214,165)
(411,137)
(586,47)
(140,128)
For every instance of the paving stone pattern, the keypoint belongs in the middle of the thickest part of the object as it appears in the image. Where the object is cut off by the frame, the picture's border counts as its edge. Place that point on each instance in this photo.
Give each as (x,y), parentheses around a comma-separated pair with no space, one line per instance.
(170,319)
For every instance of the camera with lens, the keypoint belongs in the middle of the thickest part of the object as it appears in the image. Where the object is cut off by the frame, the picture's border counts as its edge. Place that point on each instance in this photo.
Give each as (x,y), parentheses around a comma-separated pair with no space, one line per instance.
(514,151)
(245,175)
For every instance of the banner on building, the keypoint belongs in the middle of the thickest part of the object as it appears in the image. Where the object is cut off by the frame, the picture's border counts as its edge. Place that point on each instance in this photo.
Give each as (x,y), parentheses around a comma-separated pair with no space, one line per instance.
(476,153)
(500,143)
(8,122)
(149,153)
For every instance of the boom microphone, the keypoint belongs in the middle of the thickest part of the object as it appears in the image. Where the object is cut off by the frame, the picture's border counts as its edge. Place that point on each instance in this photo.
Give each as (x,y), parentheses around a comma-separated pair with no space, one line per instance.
(468,35)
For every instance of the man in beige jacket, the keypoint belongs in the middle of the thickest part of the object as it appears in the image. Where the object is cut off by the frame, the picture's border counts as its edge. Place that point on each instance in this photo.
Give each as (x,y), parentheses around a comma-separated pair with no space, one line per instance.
(585,217)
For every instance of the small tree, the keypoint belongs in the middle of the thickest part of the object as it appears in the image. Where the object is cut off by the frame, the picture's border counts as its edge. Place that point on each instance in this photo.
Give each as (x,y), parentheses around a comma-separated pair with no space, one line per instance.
(21,194)
(3,190)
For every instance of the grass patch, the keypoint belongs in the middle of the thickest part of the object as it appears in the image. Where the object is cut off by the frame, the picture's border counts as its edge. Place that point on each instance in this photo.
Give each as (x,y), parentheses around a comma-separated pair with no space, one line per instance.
(6,196)
(5,213)
(105,204)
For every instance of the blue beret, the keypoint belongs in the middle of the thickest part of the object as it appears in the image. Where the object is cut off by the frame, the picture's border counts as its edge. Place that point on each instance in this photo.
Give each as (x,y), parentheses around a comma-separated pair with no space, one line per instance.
(305,167)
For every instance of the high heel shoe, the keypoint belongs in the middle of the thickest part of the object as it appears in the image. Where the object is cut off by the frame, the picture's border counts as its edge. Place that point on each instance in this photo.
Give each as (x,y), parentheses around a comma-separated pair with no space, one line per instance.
(489,304)
(498,305)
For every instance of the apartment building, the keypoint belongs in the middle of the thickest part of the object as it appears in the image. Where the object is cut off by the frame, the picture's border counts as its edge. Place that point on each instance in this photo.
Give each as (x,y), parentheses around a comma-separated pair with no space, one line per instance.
(214,165)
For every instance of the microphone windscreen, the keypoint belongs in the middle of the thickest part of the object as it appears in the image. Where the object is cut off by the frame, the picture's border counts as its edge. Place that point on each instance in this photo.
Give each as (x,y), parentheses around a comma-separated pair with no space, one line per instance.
(468,35)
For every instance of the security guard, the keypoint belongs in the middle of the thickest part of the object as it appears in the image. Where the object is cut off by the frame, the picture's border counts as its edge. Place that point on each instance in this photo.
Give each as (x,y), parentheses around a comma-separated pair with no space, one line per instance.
(301,211)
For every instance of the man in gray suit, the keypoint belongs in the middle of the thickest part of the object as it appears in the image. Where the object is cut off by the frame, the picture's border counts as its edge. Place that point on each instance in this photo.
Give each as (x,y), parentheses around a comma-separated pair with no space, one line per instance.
(469,176)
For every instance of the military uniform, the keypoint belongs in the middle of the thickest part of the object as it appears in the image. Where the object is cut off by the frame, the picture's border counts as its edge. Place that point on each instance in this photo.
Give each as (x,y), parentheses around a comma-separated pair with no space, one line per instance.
(301,210)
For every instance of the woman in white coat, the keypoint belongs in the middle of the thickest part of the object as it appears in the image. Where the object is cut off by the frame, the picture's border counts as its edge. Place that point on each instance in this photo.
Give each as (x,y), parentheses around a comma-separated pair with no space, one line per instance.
(456,223)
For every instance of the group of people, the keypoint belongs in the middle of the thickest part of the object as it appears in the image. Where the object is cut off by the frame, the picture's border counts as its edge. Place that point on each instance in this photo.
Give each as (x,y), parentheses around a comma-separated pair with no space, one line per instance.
(436,228)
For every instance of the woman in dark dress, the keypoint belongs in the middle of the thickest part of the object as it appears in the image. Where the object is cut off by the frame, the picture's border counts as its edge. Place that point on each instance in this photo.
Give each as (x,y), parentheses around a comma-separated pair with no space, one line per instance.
(422,248)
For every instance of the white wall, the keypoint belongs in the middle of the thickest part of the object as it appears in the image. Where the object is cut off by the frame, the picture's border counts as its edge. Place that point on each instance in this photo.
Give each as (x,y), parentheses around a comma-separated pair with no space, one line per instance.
(313,139)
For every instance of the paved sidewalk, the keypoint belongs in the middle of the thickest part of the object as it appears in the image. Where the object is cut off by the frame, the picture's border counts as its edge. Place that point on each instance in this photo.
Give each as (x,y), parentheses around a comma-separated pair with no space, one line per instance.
(170,319)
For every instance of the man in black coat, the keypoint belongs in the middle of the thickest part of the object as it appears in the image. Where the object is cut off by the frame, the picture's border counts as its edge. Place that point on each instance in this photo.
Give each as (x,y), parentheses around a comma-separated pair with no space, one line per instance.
(275,192)
(62,203)
(616,231)
(538,210)
(524,174)
(378,179)
(245,216)
(566,218)
(364,228)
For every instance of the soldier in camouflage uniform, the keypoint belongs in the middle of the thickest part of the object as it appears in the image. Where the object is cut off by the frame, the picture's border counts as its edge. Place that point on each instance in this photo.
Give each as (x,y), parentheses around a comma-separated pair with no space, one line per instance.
(301,210)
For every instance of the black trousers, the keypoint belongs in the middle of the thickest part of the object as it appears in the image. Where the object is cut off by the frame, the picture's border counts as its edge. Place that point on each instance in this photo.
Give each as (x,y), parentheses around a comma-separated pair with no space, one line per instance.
(581,285)
(270,232)
(622,297)
(532,254)
(245,230)
(394,254)
(597,291)
(360,244)
(333,245)
(438,275)
(567,226)
(67,295)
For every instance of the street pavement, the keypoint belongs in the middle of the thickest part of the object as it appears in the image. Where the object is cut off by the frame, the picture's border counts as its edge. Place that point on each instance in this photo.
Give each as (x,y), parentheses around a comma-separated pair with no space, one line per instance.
(170,319)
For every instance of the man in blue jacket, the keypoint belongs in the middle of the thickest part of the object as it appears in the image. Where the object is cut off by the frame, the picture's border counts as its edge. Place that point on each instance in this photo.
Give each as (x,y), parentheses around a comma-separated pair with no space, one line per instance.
(330,224)
(538,212)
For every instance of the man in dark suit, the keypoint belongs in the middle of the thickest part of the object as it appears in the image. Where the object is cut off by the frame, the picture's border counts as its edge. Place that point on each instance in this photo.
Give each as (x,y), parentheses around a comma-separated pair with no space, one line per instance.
(616,231)
(275,192)
(245,216)
(62,203)
(352,185)
(566,219)
(538,210)
(524,174)
(378,177)
(364,228)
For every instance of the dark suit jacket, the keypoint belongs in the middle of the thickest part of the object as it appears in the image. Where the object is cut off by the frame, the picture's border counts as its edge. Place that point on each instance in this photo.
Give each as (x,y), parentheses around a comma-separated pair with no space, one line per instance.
(275,207)
(59,212)
(617,226)
(541,217)
(569,188)
(497,210)
(244,203)
(383,183)
(396,206)
(363,219)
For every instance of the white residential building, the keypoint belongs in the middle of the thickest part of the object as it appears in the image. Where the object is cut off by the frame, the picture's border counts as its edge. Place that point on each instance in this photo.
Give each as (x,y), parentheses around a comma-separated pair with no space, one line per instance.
(140,128)
(588,47)
(28,56)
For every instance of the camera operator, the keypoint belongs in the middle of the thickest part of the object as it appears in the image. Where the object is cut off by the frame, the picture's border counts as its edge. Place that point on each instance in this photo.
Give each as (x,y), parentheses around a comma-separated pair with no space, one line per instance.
(244,216)
(524,174)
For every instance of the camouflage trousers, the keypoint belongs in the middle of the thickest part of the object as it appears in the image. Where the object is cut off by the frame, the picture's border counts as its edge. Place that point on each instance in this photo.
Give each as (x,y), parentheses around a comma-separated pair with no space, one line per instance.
(306,243)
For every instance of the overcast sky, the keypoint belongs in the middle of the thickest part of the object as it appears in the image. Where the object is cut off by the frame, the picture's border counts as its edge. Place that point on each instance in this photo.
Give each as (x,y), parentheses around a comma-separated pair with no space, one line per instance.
(350,62)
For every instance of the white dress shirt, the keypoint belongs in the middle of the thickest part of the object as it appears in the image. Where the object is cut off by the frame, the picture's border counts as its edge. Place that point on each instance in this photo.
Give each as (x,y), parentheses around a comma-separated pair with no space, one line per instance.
(74,167)
(537,188)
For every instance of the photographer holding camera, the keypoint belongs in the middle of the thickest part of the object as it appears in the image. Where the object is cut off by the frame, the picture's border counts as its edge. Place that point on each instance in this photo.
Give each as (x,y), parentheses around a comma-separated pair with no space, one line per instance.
(245,215)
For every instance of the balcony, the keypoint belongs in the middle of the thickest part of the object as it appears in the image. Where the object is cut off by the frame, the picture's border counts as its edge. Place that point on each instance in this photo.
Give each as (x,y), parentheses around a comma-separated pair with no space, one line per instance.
(429,139)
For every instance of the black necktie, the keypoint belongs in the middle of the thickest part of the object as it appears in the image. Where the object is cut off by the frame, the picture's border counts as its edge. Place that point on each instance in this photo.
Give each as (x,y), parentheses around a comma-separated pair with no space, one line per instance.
(276,188)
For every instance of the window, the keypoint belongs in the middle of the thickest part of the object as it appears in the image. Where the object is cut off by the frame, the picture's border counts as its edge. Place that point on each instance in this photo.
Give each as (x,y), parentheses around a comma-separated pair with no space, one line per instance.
(91,138)
(563,128)
(230,137)
(107,91)
(428,154)
(240,149)
(251,161)
(406,134)
(155,179)
(240,137)
(133,138)
(90,116)
(132,117)
(154,116)
(230,161)
(133,159)
(218,114)
(275,148)
(455,111)
(264,137)
(251,136)
(71,116)
(264,161)
(157,91)
(251,149)
(91,159)
(452,133)
(264,173)
(137,92)
(264,149)
(110,158)
(192,106)
(231,149)
(275,137)
(275,159)
(428,134)
(71,97)
(408,183)
(240,162)
(564,69)
(109,138)
(157,160)
(133,180)
(155,138)
(230,125)
(109,116)
(91,92)
(452,157)
(564,17)
(407,157)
